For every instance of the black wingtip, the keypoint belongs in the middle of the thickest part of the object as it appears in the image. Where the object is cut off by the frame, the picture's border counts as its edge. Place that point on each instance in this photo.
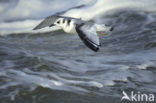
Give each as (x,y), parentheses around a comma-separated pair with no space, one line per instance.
(96,49)
(112,28)
(93,47)
(35,28)
(90,44)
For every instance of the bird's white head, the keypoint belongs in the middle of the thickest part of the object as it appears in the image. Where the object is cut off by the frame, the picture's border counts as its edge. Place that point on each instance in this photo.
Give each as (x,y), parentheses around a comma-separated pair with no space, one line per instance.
(59,22)
(62,22)
(66,24)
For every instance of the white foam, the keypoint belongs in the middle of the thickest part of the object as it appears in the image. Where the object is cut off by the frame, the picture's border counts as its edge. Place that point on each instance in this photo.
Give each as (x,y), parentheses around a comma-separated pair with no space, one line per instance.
(30,9)
(35,8)
(57,83)
(103,6)
(145,65)
(26,26)
(34,79)
(96,84)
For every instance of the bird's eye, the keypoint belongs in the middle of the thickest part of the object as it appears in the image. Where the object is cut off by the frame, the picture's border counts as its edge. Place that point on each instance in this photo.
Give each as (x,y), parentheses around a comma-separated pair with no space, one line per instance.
(58,22)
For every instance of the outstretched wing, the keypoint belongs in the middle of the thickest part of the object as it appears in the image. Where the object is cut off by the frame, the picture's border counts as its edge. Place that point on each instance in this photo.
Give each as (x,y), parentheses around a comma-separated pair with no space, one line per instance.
(49,20)
(88,35)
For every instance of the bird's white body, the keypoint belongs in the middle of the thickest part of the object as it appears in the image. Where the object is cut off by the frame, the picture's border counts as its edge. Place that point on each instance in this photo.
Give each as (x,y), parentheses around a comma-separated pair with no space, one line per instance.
(70,28)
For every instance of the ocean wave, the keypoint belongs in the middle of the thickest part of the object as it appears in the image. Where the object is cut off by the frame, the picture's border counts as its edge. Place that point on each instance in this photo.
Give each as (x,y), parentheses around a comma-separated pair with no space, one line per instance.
(16,20)
(21,27)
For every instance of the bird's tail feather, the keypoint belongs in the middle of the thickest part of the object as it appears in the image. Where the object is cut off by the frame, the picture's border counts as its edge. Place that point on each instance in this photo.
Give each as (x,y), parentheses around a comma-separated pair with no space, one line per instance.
(103,29)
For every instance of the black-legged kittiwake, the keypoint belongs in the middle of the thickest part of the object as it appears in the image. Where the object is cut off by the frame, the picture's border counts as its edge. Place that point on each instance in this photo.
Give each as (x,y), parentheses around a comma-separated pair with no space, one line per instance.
(87,31)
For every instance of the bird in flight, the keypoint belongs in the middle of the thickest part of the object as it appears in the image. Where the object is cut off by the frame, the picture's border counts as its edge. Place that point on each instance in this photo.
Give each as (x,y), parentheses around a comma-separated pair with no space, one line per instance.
(87,31)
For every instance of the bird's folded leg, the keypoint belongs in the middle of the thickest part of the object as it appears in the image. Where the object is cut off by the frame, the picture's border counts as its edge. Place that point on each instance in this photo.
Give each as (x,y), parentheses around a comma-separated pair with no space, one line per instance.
(102,33)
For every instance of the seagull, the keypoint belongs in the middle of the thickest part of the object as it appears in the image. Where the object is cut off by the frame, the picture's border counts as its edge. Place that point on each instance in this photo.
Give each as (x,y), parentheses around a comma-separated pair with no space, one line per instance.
(87,31)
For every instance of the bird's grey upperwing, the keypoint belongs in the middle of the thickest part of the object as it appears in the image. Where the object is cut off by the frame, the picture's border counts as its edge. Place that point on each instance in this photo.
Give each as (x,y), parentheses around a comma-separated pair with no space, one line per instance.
(88,35)
(50,20)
